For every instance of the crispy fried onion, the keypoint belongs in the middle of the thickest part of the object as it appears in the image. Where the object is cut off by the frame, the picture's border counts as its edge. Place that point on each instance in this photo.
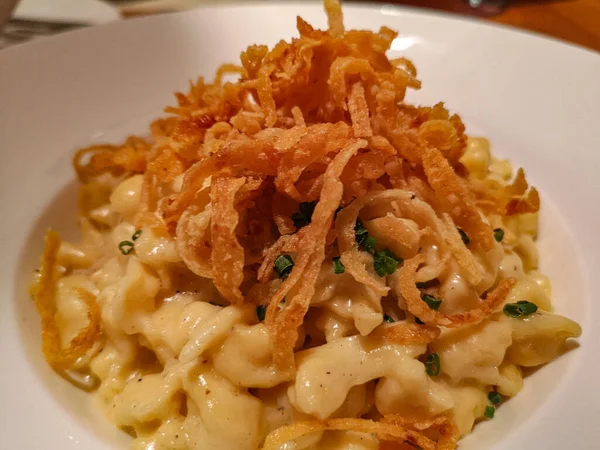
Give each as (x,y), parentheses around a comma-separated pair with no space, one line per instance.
(128,158)
(407,333)
(258,154)
(299,287)
(163,166)
(518,199)
(451,189)
(443,426)
(165,163)
(409,207)
(359,111)
(434,268)
(389,428)
(515,198)
(193,239)
(335,18)
(227,254)
(527,204)
(322,140)
(148,202)
(61,359)
(420,309)
(282,208)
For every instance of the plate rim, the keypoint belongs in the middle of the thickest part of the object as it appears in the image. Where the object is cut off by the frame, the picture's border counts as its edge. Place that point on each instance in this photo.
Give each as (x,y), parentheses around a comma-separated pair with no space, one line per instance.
(10,302)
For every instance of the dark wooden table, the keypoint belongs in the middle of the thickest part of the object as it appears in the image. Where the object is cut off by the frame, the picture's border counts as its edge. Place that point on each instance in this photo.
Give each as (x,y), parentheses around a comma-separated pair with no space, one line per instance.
(576,21)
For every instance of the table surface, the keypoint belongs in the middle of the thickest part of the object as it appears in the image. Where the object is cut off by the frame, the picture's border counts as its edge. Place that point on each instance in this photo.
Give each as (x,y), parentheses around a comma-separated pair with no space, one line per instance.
(576,21)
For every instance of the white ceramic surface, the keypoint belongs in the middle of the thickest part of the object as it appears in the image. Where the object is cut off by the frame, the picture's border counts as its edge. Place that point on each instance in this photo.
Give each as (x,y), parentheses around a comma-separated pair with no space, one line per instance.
(538,101)
(92,12)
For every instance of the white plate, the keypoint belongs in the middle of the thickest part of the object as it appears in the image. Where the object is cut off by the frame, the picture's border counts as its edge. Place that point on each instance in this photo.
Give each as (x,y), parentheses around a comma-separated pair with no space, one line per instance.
(538,101)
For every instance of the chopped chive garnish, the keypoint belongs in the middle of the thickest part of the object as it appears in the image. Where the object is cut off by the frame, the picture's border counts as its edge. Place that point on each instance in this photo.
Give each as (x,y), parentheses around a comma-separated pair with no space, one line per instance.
(338,266)
(489,412)
(136,235)
(304,214)
(388,319)
(494,397)
(464,236)
(433,302)
(432,364)
(359,229)
(283,266)
(385,262)
(126,247)
(261,311)
(363,239)
(419,321)
(368,244)
(498,234)
(520,309)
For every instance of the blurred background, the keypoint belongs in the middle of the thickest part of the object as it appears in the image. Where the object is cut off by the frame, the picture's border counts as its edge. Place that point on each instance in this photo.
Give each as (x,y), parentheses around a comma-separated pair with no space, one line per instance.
(575,21)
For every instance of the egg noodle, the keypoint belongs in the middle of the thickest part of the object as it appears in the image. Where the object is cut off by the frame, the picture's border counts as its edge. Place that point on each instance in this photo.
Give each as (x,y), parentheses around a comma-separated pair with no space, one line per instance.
(300,260)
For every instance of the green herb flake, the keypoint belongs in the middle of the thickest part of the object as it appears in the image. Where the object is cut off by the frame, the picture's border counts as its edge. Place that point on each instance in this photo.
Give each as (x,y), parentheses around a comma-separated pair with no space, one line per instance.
(388,319)
(432,364)
(464,236)
(363,239)
(126,247)
(261,311)
(494,397)
(136,235)
(385,262)
(498,234)
(489,412)
(433,302)
(338,266)
(304,214)
(359,229)
(368,244)
(520,309)
(283,266)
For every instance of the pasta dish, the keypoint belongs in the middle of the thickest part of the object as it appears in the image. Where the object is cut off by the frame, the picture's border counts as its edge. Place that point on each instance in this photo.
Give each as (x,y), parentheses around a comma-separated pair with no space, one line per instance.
(299,259)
